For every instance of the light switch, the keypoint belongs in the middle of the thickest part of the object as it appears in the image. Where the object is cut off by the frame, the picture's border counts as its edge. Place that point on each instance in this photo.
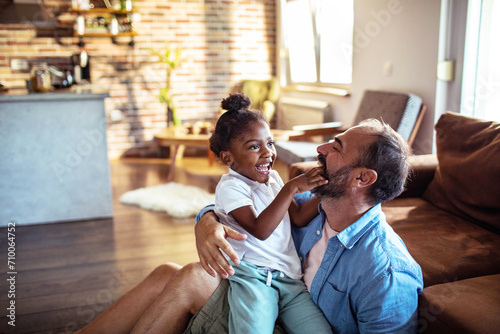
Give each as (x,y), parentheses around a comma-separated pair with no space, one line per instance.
(387,69)
(445,70)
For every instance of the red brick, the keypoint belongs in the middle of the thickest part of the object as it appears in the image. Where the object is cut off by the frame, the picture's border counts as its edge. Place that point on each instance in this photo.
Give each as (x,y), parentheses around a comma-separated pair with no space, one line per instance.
(132,74)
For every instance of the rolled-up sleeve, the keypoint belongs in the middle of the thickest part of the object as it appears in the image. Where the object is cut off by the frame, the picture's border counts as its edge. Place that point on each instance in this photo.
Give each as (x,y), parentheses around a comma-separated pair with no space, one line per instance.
(208,208)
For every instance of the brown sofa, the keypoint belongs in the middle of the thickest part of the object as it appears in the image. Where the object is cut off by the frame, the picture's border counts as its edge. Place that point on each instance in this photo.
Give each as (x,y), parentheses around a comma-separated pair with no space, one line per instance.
(449,219)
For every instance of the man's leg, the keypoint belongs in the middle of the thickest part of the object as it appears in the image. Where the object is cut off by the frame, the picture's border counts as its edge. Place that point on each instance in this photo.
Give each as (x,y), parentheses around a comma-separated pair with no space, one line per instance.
(122,315)
(185,294)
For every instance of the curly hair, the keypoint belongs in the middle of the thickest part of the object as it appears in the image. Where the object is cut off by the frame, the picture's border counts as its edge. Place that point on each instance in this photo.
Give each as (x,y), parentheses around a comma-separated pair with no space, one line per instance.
(233,122)
(388,156)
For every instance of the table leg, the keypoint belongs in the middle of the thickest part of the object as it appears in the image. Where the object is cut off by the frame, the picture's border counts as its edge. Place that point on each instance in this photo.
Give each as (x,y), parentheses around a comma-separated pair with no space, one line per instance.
(211,157)
(177,151)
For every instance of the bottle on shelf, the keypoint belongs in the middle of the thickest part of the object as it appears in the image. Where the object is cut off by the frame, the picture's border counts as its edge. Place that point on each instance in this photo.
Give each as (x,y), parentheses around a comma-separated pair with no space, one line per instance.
(127,5)
(80,25)
(116,5)
(113,26)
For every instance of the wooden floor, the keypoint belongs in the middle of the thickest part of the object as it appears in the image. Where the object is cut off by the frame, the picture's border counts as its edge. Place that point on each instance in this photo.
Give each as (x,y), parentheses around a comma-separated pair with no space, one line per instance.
(68,273)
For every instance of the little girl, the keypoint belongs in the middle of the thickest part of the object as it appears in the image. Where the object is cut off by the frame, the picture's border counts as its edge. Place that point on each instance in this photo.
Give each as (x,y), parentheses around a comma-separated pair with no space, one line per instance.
(252,199)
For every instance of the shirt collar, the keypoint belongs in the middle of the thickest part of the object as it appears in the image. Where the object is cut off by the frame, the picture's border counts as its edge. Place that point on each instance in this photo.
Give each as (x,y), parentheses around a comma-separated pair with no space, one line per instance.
(350,235)
(253,184)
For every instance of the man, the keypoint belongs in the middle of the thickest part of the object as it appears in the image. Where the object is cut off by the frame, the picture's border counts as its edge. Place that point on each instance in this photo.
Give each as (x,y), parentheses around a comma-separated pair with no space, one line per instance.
(356,268)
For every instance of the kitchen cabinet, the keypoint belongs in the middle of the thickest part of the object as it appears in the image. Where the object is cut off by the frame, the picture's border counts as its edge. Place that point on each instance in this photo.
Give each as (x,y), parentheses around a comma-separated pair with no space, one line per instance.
(54,159)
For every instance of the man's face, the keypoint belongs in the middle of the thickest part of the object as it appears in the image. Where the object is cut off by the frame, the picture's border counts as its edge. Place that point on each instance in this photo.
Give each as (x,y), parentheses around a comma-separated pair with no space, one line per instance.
(339,158)
(337,183)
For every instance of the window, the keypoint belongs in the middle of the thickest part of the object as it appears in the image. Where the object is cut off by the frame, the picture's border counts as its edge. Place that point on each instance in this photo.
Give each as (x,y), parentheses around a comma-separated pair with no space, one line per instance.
(317,41)
(481,79)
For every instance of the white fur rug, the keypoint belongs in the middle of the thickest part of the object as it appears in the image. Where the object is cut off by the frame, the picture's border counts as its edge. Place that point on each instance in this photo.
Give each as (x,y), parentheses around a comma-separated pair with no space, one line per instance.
(175,199)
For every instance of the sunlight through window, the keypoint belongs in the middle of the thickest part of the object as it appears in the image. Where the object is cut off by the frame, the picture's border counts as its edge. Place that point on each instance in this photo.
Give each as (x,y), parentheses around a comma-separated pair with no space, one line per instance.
(481,81)
(318,40)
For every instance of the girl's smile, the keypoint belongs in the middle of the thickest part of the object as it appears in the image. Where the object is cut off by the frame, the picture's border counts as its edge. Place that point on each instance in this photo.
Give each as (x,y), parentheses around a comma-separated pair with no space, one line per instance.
(264,169)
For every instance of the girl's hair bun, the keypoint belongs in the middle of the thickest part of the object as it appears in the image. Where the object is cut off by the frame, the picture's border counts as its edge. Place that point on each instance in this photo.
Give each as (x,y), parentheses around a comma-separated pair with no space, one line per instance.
(235,102)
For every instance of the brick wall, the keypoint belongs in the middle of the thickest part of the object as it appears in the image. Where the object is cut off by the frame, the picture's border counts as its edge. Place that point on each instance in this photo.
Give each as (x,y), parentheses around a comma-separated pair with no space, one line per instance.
(223,41)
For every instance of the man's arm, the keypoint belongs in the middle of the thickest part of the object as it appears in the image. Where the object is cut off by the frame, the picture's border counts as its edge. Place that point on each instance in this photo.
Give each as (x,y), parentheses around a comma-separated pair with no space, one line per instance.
(211,240)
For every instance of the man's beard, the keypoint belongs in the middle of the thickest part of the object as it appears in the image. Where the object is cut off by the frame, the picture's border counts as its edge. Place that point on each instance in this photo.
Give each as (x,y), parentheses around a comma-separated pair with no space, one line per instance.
(337,181)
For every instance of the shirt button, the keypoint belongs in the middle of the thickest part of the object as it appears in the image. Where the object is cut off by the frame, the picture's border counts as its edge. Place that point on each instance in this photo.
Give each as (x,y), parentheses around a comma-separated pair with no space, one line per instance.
(300,258)
(318,232)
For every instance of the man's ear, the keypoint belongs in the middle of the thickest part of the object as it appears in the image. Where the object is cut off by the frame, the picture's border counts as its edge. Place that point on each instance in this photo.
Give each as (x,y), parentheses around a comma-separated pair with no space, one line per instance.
(226,158)
(365,177)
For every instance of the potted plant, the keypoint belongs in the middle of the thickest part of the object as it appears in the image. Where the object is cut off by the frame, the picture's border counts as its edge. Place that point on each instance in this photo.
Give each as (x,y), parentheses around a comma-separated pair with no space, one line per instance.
(171,57)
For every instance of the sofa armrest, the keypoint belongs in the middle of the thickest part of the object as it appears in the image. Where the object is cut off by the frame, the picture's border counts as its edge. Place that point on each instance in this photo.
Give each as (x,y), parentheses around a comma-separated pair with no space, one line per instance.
(423,168)
(298,168)
(422,172)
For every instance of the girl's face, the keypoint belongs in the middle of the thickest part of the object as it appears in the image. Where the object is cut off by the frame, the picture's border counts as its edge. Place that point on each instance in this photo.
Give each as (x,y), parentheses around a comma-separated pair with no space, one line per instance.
(252,154)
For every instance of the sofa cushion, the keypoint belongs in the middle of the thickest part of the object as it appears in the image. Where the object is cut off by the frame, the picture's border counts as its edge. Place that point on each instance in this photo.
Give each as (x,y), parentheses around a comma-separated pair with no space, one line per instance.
(467,180)
(298,168)
(446,247)
(468,306)
(422,170)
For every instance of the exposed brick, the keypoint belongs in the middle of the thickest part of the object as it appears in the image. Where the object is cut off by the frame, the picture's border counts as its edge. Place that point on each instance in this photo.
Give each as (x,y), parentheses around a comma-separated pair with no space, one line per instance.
(224,41)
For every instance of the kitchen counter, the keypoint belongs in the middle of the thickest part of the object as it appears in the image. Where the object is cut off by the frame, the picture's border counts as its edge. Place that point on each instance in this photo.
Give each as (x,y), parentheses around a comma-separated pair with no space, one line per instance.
(54,163)
(75,92)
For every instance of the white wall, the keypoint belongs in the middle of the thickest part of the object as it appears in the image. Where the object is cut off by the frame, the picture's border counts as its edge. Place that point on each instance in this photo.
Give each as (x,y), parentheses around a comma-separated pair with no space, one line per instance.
(405,34)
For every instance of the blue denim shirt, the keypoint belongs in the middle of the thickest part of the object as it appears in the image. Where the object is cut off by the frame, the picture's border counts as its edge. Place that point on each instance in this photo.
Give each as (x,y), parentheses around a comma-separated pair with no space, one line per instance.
(367,281)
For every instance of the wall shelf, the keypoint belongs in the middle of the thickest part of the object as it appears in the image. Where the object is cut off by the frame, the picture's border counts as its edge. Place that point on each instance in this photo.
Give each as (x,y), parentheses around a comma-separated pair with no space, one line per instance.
(97,23)
(108,34)
(103,11)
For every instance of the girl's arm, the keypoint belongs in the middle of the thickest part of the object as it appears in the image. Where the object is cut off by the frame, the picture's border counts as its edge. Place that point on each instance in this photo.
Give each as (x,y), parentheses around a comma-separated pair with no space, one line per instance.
(302,215)
(262,226)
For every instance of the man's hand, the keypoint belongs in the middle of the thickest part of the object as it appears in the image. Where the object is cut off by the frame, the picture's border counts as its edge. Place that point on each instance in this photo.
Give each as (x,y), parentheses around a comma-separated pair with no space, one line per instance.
(211,240)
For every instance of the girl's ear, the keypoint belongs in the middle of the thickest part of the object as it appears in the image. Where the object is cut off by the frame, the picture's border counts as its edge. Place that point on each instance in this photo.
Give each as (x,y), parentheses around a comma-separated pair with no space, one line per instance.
(226,158)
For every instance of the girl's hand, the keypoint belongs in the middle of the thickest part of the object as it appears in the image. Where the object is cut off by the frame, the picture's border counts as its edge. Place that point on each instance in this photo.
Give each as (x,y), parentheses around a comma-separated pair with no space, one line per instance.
(309,180)
(210,240)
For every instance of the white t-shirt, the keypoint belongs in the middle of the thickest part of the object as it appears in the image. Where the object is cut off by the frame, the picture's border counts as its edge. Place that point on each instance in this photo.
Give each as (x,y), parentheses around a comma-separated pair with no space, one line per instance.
(278,251)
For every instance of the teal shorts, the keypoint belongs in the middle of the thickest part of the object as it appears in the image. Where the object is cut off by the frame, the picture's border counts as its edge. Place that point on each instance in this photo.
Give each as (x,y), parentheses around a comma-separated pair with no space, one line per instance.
(213,318)
(260,298)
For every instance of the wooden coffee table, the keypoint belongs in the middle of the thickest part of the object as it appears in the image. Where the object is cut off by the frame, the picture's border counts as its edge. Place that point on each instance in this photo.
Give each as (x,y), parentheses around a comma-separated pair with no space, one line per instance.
(177,139)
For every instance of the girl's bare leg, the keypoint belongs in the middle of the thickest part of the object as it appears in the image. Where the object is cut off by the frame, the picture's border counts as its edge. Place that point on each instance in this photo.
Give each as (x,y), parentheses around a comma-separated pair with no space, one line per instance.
(123,315)
(185,294)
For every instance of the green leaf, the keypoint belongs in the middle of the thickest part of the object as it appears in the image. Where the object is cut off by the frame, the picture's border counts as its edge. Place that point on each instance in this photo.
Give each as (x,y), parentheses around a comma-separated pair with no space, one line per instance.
(172,58)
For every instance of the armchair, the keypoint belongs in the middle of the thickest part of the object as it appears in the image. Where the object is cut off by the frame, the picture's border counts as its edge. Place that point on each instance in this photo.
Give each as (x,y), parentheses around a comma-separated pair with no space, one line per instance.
(402,111)
(264,95)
